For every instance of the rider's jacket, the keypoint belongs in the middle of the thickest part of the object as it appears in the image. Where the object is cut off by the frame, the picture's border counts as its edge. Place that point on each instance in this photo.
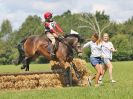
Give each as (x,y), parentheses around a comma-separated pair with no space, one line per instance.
(52,27)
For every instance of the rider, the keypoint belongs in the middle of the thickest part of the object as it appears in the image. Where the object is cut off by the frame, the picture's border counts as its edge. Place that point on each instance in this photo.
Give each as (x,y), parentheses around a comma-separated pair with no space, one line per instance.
(52,30)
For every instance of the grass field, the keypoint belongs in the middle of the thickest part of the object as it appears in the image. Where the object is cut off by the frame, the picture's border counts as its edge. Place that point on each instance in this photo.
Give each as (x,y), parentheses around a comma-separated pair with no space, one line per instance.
(123,89)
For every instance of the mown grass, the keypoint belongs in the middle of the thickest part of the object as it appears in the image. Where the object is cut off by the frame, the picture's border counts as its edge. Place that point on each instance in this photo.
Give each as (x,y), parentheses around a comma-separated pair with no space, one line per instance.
(16,69)
(123,89)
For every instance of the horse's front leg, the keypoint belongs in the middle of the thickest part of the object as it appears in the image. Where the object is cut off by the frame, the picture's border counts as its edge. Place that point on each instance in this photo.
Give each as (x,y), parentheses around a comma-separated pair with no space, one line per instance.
(67,73)
(76,71)
(26,63)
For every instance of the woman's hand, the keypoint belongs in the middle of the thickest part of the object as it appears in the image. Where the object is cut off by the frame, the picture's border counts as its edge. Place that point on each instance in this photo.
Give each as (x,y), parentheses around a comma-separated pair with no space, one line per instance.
(113,50)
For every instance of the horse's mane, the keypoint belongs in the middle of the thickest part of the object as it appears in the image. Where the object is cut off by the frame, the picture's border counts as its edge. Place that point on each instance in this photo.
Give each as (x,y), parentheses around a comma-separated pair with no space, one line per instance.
(73,35)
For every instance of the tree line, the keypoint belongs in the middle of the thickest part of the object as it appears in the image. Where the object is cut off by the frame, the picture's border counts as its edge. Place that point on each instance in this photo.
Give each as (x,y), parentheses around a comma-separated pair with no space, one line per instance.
(121,34)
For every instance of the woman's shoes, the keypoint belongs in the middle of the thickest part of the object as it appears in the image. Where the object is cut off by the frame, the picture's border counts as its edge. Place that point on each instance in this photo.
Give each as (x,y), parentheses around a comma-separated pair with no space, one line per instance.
(112,81)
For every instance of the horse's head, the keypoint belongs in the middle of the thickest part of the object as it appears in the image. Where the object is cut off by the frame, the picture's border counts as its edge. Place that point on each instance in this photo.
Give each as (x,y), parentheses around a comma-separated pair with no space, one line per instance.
(74,41)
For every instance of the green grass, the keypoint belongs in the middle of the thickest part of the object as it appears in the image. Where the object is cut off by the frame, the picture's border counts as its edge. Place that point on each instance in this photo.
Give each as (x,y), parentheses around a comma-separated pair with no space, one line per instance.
(123,89)
(16,69)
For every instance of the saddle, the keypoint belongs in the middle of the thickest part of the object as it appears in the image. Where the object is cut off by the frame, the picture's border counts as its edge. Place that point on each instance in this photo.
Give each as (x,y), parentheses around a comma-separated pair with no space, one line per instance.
(57,40)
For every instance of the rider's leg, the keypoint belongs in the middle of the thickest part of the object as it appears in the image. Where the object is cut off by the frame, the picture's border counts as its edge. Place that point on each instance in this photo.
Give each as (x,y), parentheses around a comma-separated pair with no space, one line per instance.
(52,38)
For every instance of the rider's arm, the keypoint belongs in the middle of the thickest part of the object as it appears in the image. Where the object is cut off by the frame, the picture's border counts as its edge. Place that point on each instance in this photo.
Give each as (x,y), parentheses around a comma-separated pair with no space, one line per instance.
(58,28)
(53,31)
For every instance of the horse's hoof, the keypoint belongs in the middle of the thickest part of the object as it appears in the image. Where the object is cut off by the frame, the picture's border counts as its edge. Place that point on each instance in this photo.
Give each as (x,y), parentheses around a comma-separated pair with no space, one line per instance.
(22,67)
(26,70)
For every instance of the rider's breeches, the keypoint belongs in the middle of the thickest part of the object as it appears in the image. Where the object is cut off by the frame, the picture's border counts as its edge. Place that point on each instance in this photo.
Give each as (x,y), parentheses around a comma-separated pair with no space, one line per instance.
(51,37)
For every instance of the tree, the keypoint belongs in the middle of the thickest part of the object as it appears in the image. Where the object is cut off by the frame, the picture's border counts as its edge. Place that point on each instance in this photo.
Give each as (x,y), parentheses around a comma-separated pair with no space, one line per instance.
(121,43)
(31,26)
(68,12)
(128,29)
(97,23)
(122,34)
(6,27)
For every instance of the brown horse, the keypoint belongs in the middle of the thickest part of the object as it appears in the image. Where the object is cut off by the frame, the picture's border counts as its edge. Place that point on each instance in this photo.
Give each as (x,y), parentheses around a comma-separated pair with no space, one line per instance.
(39,45)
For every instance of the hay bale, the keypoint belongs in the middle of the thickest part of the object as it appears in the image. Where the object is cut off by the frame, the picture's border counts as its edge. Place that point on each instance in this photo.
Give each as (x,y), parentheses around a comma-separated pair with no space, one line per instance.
(6,85)
(20,78)
(81,67)
(45,80)
(27,81)
(31,81)
(56,67)
(31,84)
(84,73)
(18,85)
(6,78)
(50,80)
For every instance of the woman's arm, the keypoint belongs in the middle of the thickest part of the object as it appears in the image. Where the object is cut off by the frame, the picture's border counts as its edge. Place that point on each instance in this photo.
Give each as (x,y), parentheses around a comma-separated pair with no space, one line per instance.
(112,49)
(86,45)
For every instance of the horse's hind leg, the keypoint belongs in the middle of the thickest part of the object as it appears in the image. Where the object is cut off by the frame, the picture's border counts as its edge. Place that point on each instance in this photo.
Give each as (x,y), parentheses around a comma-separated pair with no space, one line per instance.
(26,63)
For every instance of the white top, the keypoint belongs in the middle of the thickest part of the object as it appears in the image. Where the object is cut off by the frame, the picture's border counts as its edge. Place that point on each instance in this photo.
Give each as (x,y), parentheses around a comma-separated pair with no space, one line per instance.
(106,49)
(96,50)
(50,26)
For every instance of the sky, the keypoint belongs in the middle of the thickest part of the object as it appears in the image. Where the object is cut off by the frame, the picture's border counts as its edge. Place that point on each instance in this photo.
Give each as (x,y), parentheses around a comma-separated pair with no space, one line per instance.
(17,10)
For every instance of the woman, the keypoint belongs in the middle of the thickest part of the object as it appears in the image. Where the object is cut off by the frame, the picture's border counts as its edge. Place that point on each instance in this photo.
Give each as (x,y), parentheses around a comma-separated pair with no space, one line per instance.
(95,57)
(107,49)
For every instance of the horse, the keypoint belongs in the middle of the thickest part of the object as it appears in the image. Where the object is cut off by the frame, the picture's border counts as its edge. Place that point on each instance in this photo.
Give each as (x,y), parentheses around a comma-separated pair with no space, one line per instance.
(38,45)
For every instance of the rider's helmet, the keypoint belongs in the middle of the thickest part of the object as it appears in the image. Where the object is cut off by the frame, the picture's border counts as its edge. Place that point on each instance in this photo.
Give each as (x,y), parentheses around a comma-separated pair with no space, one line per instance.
(47,15)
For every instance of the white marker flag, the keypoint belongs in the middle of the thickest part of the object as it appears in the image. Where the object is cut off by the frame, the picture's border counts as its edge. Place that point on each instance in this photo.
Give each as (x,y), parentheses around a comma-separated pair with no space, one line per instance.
(73,32)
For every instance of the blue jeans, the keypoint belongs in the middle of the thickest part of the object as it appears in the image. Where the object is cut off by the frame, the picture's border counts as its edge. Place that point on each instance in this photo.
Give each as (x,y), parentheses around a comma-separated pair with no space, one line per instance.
(96,60)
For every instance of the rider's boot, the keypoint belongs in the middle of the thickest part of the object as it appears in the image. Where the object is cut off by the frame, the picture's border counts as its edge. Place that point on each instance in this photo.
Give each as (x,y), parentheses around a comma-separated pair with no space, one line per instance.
(52,52)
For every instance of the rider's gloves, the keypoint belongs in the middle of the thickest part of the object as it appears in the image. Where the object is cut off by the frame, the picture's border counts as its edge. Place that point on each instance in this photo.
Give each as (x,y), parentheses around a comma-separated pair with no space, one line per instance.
(61,37)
